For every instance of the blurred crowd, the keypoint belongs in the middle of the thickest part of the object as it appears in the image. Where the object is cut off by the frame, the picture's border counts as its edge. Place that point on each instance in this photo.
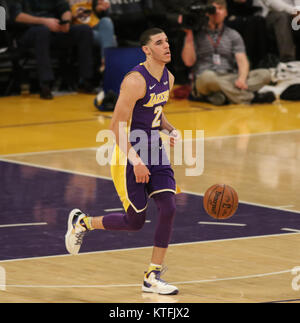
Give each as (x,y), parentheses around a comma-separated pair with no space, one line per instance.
(223,55)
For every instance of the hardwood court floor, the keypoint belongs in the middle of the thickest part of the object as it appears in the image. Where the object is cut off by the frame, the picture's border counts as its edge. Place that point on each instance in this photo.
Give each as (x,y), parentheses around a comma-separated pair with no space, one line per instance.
(248,270)
(253,148)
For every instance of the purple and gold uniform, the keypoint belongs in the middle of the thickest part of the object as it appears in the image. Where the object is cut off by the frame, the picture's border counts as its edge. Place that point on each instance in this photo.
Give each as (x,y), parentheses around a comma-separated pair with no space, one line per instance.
(145,139)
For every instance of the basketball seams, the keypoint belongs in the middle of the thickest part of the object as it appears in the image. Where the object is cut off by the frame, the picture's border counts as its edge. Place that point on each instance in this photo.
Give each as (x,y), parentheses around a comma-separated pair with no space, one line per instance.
(208,199)
(232,200)
(224,187)
(213,201)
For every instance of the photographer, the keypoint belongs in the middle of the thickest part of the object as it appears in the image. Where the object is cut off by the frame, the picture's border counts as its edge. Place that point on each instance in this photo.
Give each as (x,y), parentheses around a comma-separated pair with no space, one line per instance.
(221,69)
(167,15)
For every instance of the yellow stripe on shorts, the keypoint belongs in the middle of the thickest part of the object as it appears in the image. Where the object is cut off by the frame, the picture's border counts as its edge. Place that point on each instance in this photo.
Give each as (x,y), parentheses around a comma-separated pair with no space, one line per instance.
(118,173)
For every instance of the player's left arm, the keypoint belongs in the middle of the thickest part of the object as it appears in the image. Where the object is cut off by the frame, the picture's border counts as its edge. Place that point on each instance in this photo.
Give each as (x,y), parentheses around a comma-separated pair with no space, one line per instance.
(166,126)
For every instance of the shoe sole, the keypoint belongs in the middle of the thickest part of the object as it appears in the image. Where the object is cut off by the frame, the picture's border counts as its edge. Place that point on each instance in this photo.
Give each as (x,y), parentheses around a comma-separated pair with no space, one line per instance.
(150,290)
(69,231)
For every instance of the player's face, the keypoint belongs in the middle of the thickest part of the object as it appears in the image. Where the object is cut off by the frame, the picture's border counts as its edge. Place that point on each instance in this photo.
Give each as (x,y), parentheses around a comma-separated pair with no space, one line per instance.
(159,48)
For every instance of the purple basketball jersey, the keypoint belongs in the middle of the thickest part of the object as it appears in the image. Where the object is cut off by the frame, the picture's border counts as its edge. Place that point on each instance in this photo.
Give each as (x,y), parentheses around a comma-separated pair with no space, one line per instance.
(146,116)
(147,111)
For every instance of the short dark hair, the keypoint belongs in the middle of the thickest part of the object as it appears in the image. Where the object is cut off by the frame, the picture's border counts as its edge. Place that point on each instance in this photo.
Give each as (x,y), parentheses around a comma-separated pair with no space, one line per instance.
(146,35)
(222,3)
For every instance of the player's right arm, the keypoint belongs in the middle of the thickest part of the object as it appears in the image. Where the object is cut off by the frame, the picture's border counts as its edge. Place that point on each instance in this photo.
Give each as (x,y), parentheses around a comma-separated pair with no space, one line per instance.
(132,89)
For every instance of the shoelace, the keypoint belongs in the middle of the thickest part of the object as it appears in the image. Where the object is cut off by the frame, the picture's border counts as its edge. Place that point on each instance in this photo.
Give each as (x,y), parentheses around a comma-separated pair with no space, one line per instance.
(158,274)
(79,237)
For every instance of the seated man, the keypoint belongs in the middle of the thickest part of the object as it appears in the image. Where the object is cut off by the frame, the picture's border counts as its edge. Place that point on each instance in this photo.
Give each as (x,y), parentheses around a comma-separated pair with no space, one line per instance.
(279,23)
(94,14)
(48,24)
(214,53)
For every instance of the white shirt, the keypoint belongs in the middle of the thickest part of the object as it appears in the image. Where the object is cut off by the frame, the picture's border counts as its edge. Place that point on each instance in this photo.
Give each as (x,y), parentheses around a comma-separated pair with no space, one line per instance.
(265,9)
(288,6)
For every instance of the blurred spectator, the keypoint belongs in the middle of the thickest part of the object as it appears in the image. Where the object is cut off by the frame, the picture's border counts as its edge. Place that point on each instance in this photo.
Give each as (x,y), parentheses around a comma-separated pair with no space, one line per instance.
(214,53)
(279,14)
(46,25)
(3,23)
(285,81)
(94,14)
(167,15)
(129,20)
(3,4)
(251,27)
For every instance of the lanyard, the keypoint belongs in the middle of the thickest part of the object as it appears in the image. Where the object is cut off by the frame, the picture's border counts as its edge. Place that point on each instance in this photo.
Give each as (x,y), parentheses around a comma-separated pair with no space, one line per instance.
(216,43)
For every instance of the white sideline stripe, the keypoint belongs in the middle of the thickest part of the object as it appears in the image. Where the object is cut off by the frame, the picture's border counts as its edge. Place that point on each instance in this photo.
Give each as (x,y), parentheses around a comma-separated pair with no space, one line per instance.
(54,169)
(48,152)
(223,223)
(22,224)
(291,230)
(279,132)
(110,179)
(235,277)
(150,247)
(114,210)
(139,285)
(284,206)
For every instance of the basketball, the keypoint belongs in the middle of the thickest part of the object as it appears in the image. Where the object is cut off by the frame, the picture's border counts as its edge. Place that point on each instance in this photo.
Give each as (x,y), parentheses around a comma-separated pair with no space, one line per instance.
(220,201)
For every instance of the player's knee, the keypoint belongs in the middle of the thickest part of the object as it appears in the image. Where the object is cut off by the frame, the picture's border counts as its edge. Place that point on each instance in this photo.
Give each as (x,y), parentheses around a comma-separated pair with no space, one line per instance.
(167,205)
(137,223)
(135,220)
(169,210)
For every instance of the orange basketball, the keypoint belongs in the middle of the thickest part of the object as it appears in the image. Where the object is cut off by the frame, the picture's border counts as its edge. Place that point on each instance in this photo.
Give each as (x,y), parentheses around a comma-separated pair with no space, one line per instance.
(220,201)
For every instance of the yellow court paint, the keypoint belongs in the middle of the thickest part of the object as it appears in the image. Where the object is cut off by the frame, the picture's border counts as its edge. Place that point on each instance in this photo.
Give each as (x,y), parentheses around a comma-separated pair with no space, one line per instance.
(29,124)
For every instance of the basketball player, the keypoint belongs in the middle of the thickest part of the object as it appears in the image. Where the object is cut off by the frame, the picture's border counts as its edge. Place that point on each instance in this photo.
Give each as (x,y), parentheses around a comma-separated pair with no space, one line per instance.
(144,92)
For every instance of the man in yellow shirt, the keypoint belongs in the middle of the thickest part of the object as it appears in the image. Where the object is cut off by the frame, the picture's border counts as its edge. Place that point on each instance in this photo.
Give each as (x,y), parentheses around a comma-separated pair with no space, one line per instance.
(93,13)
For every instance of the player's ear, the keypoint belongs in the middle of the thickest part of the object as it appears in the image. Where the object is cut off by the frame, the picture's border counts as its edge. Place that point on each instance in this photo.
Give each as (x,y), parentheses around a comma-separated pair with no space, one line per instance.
(146,50)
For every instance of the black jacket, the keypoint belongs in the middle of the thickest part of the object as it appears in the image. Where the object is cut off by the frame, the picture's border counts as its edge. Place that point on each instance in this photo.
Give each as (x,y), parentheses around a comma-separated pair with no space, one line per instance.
(45,8)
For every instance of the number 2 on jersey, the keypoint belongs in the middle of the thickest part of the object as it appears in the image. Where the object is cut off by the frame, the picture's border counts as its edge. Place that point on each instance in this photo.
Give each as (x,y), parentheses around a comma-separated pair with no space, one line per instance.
(157,112)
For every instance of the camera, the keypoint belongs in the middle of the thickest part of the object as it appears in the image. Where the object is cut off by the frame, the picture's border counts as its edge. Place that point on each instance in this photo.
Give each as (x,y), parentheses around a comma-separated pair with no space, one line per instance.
(195,15)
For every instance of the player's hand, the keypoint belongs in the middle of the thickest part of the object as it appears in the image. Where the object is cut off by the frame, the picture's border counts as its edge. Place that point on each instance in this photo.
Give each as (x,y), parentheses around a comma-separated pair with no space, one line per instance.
(174,137)
(141,173)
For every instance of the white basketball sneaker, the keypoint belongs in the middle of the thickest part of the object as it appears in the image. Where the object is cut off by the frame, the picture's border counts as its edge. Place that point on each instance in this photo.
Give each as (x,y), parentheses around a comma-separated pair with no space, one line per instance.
(154,284)
(76,232)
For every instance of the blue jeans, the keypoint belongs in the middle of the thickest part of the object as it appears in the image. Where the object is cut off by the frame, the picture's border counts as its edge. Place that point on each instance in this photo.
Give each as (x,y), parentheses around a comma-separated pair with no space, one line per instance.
(104,34)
